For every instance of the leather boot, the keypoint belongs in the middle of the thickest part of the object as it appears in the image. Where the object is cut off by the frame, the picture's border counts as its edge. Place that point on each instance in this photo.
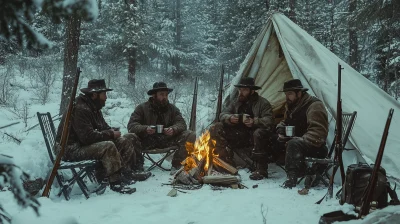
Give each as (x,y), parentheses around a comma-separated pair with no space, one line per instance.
(291,180)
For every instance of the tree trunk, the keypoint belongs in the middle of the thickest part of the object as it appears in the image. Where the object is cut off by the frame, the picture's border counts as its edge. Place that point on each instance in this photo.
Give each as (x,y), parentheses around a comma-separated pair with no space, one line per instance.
(176,61)
(132,65)
(353,38)
(71,50)
(292,12)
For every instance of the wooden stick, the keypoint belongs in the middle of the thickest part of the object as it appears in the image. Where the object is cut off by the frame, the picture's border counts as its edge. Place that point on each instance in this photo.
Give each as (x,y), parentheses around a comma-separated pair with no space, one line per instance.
(219,162)
(8,125)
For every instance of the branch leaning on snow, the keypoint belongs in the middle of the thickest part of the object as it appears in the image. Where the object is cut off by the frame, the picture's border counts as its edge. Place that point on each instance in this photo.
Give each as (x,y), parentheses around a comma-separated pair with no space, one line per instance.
(10,174)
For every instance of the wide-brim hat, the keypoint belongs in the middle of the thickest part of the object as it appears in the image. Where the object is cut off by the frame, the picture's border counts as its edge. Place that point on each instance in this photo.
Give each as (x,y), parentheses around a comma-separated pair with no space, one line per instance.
(95,86)
(247,83)
(293,85)
(159,86)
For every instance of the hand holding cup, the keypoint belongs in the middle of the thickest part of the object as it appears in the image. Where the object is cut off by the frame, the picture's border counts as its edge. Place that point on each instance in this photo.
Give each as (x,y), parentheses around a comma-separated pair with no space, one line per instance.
(151,130)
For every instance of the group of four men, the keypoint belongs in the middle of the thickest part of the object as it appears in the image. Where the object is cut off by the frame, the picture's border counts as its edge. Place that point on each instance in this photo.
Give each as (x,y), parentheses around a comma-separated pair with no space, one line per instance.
(247,122)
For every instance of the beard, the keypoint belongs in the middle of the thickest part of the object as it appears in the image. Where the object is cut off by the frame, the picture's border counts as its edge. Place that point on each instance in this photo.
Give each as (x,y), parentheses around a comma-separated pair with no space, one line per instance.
(99,103)
(292,103)
(243,98)
(160,105)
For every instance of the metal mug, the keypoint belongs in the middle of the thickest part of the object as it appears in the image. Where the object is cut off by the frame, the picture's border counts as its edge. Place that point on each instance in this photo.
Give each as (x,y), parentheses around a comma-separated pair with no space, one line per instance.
(290,130)
(160,128)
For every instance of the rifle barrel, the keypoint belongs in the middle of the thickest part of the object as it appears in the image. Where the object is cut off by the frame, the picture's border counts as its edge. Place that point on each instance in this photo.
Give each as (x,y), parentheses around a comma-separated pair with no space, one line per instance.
(192,125)
(219,103)
(367,198)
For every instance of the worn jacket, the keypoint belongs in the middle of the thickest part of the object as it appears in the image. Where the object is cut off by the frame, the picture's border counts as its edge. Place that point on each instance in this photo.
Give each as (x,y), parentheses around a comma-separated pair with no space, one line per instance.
(316,120)
(145,114)
(260,107)
(87,124)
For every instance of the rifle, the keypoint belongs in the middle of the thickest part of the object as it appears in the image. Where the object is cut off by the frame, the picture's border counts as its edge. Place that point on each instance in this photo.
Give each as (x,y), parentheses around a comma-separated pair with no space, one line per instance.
(192,124)
(221,87)
(64,137)
(367,197)
(339,124)
(338,137)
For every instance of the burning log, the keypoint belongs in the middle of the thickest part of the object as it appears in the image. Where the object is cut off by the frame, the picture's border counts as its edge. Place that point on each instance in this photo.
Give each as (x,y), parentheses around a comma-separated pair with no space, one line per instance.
(223,180)
(219,162)
(195,172)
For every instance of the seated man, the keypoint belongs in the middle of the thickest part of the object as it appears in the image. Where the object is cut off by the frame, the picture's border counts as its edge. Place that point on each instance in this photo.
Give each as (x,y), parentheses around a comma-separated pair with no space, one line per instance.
(91,138)
(252,129)
(158,111)
(310,119)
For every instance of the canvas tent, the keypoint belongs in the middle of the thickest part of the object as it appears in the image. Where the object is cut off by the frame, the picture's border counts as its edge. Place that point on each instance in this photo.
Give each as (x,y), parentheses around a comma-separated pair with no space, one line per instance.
(283,51)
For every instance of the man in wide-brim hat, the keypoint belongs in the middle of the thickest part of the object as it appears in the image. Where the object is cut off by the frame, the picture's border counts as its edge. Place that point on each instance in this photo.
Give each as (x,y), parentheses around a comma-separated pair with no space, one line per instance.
(246,123)
(310,119)
(158,111)
(91,138)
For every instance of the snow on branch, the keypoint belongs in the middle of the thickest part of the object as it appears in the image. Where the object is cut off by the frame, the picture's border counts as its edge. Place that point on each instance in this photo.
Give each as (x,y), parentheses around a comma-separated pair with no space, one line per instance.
(10,176)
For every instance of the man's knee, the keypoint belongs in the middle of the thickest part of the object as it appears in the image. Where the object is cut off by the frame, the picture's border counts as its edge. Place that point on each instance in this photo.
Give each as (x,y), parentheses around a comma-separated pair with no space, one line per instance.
(132,136)
(108,147)
(216,128)
(294,144)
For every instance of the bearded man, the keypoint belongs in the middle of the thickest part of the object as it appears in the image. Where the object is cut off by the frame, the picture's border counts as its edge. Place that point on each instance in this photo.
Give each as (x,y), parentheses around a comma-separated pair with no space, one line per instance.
(158,111)
(246,123)
(310,119)
(91,138)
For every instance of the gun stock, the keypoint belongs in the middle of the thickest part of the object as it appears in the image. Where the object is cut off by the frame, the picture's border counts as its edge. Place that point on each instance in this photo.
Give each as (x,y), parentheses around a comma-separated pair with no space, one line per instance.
(367,197)
(221,87)
(64,137)
(192,124)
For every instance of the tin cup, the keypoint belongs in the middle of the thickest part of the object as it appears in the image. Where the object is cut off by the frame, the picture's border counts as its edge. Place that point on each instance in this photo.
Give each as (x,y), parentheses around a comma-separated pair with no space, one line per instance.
(160,128)
(290,131)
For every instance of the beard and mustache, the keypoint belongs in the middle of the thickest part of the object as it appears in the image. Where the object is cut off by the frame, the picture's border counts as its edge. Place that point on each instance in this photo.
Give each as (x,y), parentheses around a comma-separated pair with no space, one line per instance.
(243,98)
(99,103)
(292,103)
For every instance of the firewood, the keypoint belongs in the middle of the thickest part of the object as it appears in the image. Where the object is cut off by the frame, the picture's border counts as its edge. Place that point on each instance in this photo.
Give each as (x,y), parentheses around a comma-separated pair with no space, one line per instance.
(219,162)
(210,169)
(223,180)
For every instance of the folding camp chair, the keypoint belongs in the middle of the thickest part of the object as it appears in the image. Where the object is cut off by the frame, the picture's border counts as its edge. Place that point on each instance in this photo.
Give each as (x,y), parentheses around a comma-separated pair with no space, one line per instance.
(165,151)
(321,167)
(79,169)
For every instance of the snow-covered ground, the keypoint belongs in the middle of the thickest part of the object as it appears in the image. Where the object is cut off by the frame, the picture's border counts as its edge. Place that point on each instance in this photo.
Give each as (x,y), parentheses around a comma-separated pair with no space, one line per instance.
(150,204)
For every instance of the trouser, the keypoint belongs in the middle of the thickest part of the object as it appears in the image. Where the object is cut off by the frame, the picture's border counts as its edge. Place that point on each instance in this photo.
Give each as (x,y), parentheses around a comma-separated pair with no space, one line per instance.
(154,141)
(296,151)
(256,141)
(114,156)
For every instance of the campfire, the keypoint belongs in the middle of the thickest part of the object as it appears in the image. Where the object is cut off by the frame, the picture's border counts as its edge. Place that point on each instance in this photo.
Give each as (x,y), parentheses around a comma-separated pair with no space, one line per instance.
(204,166)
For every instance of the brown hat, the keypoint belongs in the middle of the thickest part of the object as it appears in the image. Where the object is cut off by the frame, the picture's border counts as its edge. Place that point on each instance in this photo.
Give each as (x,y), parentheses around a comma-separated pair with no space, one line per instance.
(293,85)
(247,83)
(96,85)
(159,86)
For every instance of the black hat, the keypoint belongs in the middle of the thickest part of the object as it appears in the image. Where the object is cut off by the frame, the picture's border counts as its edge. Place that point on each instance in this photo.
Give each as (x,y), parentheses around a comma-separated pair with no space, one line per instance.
(159,86)
(247,83)
(96,85)
(293,85)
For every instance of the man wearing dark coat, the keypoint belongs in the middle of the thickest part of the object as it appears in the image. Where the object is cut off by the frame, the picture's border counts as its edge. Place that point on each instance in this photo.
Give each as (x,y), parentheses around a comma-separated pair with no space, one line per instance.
(158,111)
(247,122)
(91,138)
(310,119)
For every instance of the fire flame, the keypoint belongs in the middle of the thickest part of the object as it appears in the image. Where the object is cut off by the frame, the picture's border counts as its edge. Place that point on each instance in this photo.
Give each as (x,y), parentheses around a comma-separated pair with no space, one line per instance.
(202,148)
